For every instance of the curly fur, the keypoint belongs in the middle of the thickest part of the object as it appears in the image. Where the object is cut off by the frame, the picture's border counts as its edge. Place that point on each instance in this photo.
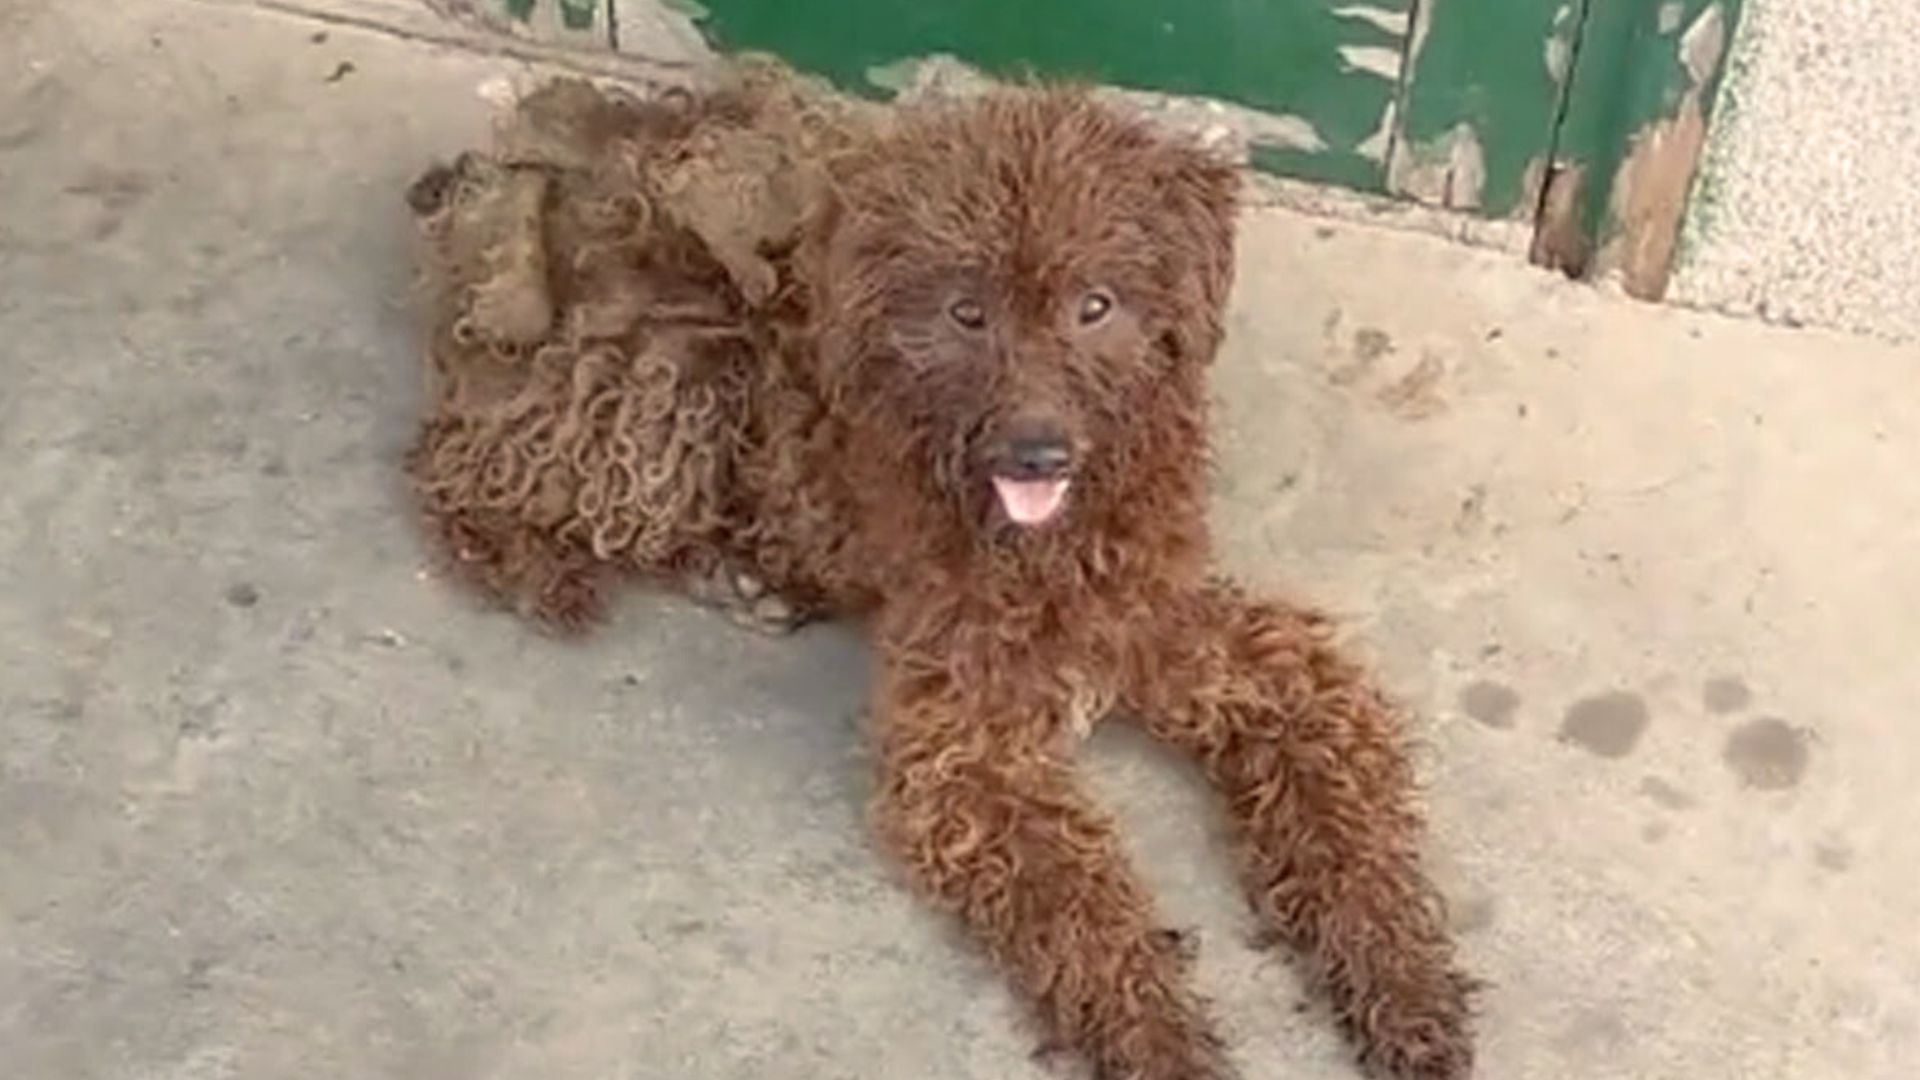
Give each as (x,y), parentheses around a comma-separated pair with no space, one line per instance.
(803,409)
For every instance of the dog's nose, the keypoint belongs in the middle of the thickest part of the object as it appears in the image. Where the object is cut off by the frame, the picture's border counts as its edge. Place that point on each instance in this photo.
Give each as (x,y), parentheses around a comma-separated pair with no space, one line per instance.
(1038,457)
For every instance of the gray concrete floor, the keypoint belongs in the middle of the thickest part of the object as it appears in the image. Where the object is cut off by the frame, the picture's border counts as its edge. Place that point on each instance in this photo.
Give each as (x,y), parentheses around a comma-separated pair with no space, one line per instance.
(273,803)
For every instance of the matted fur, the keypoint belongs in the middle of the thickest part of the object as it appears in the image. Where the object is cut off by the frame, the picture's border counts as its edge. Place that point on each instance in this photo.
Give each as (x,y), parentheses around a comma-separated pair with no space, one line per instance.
(624,384)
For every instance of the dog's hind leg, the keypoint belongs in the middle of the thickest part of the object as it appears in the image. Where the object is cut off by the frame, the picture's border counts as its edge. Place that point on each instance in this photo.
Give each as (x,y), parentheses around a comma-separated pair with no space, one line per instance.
(559,585)
(991,827)
(1312,764)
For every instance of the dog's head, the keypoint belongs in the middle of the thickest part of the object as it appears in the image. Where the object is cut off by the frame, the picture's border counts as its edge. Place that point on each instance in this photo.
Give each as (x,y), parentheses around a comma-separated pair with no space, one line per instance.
(1023,291)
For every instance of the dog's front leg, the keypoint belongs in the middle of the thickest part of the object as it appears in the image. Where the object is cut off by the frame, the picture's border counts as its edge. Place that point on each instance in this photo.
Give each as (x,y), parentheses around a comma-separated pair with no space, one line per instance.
(990,825)
(1311,761)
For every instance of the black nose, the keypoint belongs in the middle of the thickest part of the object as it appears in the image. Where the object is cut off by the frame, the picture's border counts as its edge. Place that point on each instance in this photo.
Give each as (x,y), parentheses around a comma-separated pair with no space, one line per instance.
(1038,457)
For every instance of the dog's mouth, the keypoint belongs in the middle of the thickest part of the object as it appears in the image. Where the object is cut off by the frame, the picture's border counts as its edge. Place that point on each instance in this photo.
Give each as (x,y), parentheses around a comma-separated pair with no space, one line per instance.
(1031,502)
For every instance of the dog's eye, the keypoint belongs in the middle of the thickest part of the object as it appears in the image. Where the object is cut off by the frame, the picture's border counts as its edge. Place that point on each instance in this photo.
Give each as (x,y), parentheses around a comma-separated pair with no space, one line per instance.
(967,313)
(1095,306)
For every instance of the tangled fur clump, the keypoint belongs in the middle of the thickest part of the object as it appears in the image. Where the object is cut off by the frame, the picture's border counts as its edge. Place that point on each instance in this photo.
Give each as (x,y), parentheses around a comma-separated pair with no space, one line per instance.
(944,370)
(611,287)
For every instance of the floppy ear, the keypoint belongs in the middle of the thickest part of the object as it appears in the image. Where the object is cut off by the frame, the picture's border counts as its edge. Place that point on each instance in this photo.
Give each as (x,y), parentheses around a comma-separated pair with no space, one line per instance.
(1202,197)
(825,266)
(837,259)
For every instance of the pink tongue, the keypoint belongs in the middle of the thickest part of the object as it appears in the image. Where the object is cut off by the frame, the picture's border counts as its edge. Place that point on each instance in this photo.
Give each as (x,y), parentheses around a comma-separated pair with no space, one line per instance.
(1030,502)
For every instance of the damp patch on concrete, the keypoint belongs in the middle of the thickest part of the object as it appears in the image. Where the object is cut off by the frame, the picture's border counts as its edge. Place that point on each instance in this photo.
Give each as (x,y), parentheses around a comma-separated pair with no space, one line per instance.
(1473,914)
(1416,395)
(1767,754)
(1665,795)
(1725,694)
(1606,725)
(1833,857)
(1490,703)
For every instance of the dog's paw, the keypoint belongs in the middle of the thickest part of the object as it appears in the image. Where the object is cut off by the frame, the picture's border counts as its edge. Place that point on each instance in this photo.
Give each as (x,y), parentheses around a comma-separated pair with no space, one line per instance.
(1419,1035)
(1440,1060)
(1190,1054)
(571,604)
(745,599)
(432,190)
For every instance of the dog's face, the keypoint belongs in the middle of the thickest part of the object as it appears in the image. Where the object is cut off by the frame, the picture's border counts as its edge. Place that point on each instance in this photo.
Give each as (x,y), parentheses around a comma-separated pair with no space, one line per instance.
(1021,289)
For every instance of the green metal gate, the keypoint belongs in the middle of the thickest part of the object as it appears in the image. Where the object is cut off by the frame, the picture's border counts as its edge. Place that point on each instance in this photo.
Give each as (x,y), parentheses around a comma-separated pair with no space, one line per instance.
(1583,119)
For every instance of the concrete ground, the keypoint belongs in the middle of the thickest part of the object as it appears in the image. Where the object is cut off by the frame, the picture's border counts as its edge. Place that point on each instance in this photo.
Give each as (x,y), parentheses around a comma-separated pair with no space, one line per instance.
(1805,211)
(273,803)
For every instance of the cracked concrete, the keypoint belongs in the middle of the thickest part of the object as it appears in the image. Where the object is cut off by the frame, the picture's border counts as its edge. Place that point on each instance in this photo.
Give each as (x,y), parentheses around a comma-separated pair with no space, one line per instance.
(273,803)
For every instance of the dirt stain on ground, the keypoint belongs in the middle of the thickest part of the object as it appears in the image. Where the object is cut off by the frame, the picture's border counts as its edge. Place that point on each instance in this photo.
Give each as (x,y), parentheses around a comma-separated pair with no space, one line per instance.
(1725,694)
(1665,795)
(1833,857)
(1474,914)
(34,113)
(1608,725)
(1416,395)
(1595,1029)
(1767,754)
(1371,344)
(1490,703)
(1368,346)
(116,189)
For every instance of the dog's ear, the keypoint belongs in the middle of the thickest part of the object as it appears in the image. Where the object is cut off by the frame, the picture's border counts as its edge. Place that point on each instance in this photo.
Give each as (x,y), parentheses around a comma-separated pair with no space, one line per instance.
(842,293)
(1202,194)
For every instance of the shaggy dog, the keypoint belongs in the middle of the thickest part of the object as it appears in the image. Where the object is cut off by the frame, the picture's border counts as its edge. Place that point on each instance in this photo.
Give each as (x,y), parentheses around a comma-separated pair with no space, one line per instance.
(949,378)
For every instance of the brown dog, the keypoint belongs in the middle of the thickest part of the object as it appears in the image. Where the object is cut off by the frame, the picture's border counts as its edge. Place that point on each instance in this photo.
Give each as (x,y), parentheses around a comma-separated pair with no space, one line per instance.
(961,393)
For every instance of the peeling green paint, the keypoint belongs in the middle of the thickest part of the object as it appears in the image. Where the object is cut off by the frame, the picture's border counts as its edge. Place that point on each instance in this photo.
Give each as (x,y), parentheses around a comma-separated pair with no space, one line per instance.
(578,14)
(1486,68)
(1345,170)
(1583,117)
(1631,73)
(1727,104)
(1334,64)
(574,14)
